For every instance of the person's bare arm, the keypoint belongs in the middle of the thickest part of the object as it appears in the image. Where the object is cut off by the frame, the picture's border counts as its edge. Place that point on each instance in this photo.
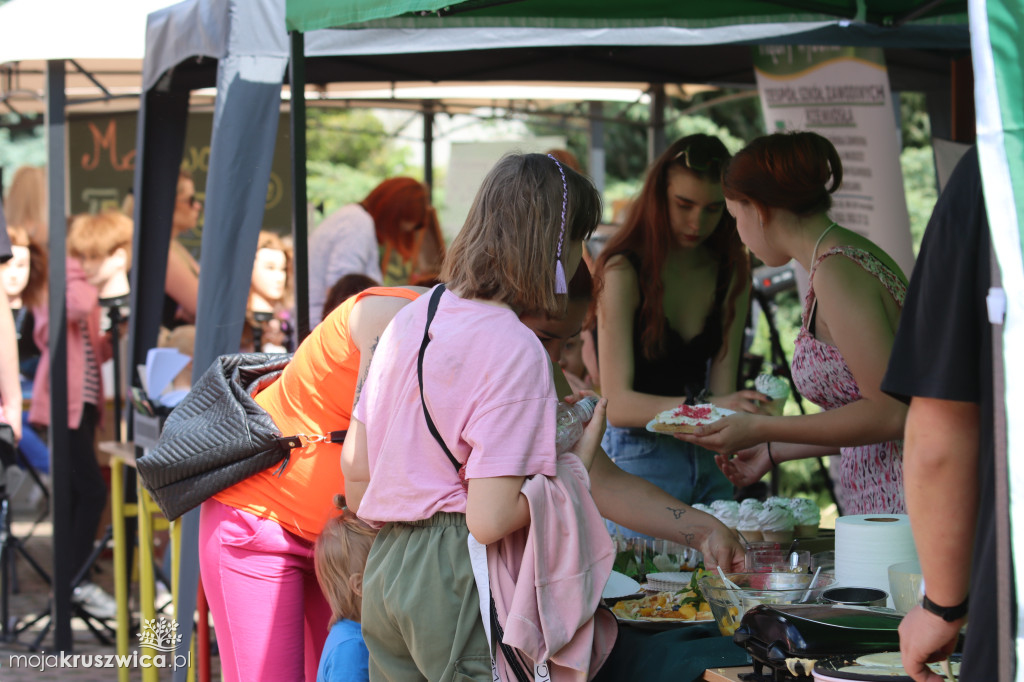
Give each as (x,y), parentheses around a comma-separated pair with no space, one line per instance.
(750,465)
(856,319)
(725,366)
(641,506)
(355,464)
(496,507)
(366,322)
(940,464)
(182,283)
(10,382)
(616,309)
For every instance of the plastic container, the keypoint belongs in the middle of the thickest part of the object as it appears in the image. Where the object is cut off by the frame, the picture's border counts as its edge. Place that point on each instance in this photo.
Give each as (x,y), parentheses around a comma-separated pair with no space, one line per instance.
(570,421)
(905,585)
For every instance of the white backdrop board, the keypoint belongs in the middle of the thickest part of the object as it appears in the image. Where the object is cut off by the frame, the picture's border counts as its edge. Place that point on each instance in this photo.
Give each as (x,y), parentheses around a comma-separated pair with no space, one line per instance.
(469,163)
(843,94)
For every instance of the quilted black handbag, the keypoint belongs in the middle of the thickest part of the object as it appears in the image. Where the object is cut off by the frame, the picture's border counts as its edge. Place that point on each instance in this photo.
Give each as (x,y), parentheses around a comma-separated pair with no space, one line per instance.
(218,435)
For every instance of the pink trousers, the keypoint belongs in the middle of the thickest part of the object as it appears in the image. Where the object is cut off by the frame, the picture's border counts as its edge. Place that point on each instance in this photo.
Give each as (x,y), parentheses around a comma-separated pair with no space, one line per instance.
(269,614)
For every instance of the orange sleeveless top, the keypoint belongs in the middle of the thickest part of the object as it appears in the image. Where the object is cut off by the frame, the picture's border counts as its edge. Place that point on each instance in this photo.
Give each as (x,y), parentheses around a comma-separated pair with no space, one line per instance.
(314,396)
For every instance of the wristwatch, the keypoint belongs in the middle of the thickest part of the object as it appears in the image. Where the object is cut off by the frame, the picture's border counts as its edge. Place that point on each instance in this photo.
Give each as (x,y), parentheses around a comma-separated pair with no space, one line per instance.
(946,613)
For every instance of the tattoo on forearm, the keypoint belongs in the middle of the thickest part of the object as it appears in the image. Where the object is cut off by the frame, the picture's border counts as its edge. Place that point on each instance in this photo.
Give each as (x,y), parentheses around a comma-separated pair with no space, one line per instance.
(677,512)
(689,539)
(362,377)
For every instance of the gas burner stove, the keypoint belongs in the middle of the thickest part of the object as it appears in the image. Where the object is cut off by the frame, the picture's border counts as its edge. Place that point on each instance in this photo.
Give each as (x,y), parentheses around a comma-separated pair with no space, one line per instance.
(764,674)
(772,634)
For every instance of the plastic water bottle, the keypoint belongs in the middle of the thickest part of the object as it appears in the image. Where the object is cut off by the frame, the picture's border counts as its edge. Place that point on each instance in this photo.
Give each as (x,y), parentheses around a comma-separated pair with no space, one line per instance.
(570,420)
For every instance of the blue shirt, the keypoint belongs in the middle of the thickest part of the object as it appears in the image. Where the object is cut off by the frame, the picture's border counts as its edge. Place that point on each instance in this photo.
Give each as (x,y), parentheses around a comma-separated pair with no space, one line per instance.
(345,657)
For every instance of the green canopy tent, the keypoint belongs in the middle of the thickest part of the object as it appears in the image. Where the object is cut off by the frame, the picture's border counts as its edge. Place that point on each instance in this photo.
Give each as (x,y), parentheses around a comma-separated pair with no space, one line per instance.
(999,99)
(242,46)
(567,37)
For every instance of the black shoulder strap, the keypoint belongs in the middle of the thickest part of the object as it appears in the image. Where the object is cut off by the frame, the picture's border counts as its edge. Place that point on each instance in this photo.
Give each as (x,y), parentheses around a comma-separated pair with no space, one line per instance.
(435,298)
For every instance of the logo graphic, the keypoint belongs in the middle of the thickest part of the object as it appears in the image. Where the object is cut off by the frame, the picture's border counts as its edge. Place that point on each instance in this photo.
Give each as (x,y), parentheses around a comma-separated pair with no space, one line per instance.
(159,634)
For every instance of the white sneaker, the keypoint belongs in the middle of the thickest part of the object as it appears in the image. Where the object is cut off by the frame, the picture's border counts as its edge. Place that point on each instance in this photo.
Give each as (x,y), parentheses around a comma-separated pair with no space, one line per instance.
(95,601)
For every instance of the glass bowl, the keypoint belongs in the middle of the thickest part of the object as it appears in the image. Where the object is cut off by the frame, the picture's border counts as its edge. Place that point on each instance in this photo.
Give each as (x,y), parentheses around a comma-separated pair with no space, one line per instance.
(728,604)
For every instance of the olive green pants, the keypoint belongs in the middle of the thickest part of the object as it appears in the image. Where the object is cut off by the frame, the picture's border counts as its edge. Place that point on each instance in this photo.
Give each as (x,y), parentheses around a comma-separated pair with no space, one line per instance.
(421,612)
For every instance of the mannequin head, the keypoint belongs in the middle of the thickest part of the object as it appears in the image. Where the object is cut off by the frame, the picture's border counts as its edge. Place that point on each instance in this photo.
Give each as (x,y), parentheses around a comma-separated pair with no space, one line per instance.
(103,244)
(14,273)
(25,204)
(24,276)
(186,206)
(269,274)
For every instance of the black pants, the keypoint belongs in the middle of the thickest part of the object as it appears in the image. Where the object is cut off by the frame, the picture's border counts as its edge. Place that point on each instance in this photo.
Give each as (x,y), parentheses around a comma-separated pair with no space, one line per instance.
(88,489)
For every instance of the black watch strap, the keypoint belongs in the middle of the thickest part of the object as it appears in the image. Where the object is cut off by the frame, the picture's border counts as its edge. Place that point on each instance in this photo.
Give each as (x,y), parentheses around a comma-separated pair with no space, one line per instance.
(946,613)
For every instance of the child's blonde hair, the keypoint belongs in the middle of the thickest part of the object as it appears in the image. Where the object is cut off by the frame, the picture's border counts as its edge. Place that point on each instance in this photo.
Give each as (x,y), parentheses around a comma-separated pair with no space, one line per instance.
(99,235)
(508,247)
(338,555)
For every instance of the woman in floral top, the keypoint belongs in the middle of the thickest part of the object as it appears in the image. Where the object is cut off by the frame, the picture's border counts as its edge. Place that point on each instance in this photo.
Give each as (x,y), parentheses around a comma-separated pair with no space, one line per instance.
(780,188)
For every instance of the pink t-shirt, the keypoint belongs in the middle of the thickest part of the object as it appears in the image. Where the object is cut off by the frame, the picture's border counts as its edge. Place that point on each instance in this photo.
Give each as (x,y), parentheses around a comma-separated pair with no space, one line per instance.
(489,388)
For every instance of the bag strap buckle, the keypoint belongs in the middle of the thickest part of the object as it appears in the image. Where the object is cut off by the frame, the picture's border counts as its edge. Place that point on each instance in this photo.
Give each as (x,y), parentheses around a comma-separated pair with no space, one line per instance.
(303,439)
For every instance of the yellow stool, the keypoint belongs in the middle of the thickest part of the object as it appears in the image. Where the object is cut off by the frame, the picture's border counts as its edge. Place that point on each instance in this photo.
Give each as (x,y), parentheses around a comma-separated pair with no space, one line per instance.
(150,519)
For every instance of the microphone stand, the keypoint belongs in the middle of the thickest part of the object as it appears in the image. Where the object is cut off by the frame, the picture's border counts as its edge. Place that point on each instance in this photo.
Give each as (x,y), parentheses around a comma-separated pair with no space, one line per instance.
(259,318)
(114,305)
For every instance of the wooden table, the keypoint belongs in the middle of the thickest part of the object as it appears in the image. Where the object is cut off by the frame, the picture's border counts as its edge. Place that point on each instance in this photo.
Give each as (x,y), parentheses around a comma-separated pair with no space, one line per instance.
(725,674)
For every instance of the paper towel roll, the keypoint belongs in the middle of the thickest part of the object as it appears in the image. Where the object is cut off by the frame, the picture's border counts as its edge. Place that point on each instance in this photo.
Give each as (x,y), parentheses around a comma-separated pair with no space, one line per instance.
(867,544)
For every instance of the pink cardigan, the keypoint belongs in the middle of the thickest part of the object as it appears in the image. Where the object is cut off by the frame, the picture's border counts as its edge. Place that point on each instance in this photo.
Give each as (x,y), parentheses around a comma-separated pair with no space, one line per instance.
(547,579)
(82,304)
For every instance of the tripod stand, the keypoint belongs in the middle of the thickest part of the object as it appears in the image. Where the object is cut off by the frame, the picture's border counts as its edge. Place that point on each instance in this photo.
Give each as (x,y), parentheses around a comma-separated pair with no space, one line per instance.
(11,546)
(259,318)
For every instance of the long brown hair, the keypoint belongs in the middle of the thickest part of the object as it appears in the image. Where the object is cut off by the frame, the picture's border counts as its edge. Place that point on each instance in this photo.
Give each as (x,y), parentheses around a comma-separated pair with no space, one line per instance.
(25,204)
(392,202)
(646,232)
(508,247)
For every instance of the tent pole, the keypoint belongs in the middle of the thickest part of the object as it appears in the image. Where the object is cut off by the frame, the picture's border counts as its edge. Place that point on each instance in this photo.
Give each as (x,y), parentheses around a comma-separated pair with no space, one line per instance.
(60,442)
(428,148)
(656,132)
(300,214)
(596,121)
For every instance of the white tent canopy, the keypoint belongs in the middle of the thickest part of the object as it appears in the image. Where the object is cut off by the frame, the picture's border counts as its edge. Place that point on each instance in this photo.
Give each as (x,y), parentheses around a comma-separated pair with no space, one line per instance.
(106,42)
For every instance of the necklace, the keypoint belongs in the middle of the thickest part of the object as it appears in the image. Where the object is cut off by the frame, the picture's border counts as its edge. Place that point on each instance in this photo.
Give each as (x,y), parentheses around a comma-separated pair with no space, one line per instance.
(814,254)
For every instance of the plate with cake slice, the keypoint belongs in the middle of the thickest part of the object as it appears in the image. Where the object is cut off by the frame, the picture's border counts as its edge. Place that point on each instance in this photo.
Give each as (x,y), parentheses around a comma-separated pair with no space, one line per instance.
(686,418)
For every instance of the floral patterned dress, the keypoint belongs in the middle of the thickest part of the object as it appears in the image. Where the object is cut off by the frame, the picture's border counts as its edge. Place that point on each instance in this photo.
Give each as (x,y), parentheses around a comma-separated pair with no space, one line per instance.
(871,476)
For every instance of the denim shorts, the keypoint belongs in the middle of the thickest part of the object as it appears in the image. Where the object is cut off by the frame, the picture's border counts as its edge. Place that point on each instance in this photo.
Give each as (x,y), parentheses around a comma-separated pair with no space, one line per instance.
(683,470)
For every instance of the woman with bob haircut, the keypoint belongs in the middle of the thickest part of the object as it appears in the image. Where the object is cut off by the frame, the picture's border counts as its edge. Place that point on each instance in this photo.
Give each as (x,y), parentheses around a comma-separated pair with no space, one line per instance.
(779,188)
(673,290)
(488,389)
(368,238)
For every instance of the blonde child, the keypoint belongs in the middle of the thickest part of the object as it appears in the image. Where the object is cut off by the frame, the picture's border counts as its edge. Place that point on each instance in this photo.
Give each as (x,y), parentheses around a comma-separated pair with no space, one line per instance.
(339,558)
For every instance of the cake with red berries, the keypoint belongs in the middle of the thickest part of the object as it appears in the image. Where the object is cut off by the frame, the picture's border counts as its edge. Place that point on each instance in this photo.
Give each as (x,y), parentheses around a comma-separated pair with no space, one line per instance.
(686,418)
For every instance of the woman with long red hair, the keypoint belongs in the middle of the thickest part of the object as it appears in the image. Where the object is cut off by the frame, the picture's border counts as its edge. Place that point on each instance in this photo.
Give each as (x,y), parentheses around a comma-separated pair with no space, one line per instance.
(378,235)
(674,286)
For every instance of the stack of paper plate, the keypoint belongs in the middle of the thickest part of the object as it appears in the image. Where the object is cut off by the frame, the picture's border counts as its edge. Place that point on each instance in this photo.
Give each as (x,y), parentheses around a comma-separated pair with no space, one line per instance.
(668,582)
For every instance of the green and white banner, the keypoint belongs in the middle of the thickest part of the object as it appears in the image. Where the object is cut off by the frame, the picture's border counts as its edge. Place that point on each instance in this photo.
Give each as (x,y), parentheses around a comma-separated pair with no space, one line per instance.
(843,94)
(999,101)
